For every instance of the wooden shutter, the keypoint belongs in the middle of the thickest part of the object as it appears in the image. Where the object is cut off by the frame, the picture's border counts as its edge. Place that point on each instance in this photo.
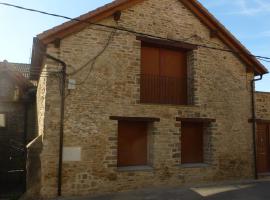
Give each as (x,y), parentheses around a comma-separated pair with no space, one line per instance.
(191,142)
(150,75)
(132,143)
(150,60)
(164,75)
(173,73)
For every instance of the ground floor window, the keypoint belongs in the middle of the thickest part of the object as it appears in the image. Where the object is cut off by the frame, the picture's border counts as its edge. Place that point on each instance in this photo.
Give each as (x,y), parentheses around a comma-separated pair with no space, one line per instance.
(132,143)
(192,139)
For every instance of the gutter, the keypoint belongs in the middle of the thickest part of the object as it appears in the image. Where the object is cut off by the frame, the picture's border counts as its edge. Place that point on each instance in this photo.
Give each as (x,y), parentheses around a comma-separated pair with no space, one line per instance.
(254,124)
(62,92)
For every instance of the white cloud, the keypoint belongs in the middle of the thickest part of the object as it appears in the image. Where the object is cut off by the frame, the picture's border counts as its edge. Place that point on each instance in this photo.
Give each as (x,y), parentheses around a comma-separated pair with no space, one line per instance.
(251,7)
(241,7)
(265,34)
(214,4)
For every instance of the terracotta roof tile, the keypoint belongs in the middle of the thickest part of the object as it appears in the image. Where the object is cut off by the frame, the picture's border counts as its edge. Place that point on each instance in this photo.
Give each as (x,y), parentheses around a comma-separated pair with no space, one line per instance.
(22,68)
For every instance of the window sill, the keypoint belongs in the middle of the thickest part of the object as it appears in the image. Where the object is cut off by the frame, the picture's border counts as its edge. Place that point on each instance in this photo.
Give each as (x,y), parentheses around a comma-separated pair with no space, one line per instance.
(135,168)
(171,105)
(194,165)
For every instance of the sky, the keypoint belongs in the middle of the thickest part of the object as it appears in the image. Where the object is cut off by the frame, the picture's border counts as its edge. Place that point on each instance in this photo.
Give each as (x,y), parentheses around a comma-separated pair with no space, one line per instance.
(248,20)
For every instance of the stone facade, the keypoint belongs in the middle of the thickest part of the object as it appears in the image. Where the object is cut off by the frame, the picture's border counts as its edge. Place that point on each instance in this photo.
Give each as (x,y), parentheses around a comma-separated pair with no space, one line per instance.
(13,87)
(263,105)
(219,88)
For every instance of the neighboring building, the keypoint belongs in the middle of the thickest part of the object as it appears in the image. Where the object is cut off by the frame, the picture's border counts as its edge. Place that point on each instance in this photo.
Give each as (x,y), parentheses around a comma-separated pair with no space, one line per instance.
(144,108)
(263,132)
(15,101)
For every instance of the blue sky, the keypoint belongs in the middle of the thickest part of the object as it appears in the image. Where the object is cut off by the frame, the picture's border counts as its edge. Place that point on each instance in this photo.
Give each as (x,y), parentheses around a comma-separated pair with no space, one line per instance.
(248,20)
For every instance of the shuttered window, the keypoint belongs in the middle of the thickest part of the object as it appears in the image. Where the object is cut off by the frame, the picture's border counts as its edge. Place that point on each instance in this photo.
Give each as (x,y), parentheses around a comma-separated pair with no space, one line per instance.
(132,143)
(163,75)
(192,142)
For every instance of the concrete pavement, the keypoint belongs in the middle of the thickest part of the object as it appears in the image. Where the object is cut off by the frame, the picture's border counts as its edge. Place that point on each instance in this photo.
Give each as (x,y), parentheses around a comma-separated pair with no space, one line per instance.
(259,190)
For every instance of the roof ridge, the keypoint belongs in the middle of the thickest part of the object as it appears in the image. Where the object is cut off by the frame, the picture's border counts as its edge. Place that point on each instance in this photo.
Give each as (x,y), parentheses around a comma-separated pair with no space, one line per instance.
(15,63)
(86,15)
(194,6)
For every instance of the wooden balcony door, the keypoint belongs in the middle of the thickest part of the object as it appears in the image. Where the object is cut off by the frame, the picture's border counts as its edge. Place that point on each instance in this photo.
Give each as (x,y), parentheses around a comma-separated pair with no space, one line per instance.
(164,75)
(263,148)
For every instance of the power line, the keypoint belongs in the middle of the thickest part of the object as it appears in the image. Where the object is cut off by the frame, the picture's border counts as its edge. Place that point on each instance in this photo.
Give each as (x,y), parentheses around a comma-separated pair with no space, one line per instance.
(97,56)
(93,61)
(123,29)
(264,60)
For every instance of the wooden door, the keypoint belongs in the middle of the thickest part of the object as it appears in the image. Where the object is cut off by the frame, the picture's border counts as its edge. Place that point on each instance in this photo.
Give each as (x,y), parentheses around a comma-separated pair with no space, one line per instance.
(263,147)
(132,143)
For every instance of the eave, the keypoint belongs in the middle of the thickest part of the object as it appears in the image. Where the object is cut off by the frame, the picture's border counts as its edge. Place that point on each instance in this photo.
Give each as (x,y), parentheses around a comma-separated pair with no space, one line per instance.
(71,27)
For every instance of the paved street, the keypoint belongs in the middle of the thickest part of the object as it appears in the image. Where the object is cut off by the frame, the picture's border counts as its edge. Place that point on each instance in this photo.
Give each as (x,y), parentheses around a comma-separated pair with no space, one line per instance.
(245,191)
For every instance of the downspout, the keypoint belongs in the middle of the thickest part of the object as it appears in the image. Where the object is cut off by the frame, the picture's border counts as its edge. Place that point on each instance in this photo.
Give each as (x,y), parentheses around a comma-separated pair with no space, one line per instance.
(63,87)
(254,124)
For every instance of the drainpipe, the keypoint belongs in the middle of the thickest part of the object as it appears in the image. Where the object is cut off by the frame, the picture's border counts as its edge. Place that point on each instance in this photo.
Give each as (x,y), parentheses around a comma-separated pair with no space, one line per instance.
(63,87)
(254,124)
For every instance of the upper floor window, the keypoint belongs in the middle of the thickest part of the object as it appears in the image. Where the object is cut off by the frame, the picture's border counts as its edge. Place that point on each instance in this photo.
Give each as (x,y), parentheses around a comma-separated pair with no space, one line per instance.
(163,74)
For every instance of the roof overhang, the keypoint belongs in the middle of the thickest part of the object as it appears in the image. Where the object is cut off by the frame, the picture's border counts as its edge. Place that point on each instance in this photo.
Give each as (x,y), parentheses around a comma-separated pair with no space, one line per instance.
(71,27)
(17,78)
(224,35)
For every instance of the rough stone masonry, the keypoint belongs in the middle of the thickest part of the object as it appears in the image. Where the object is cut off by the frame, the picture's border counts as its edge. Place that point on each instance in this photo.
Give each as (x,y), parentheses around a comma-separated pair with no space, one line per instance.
(219,88)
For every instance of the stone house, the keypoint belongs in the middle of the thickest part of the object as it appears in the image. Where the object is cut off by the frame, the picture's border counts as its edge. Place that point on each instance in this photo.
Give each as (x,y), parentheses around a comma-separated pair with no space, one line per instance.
(263,132)
(15,104)
(155,93)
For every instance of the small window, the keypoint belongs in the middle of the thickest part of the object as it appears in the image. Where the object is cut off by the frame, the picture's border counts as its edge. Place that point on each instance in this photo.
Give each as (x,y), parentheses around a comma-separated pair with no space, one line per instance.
(192,142)
(132,143)
(2,120)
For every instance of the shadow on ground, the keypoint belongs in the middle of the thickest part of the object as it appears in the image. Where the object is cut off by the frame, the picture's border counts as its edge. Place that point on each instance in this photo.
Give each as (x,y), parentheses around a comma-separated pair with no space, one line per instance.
(246,191)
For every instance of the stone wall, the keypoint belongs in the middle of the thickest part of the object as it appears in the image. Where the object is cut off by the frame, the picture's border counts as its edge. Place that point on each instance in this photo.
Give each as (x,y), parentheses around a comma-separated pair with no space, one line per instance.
(11,136)
(34,148)
(33,167)
(43,150)
(263,105)
(219,88)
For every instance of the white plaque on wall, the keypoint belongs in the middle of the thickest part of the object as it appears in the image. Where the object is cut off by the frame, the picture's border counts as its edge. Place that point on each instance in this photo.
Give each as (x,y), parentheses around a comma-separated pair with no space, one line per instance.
(72,154)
